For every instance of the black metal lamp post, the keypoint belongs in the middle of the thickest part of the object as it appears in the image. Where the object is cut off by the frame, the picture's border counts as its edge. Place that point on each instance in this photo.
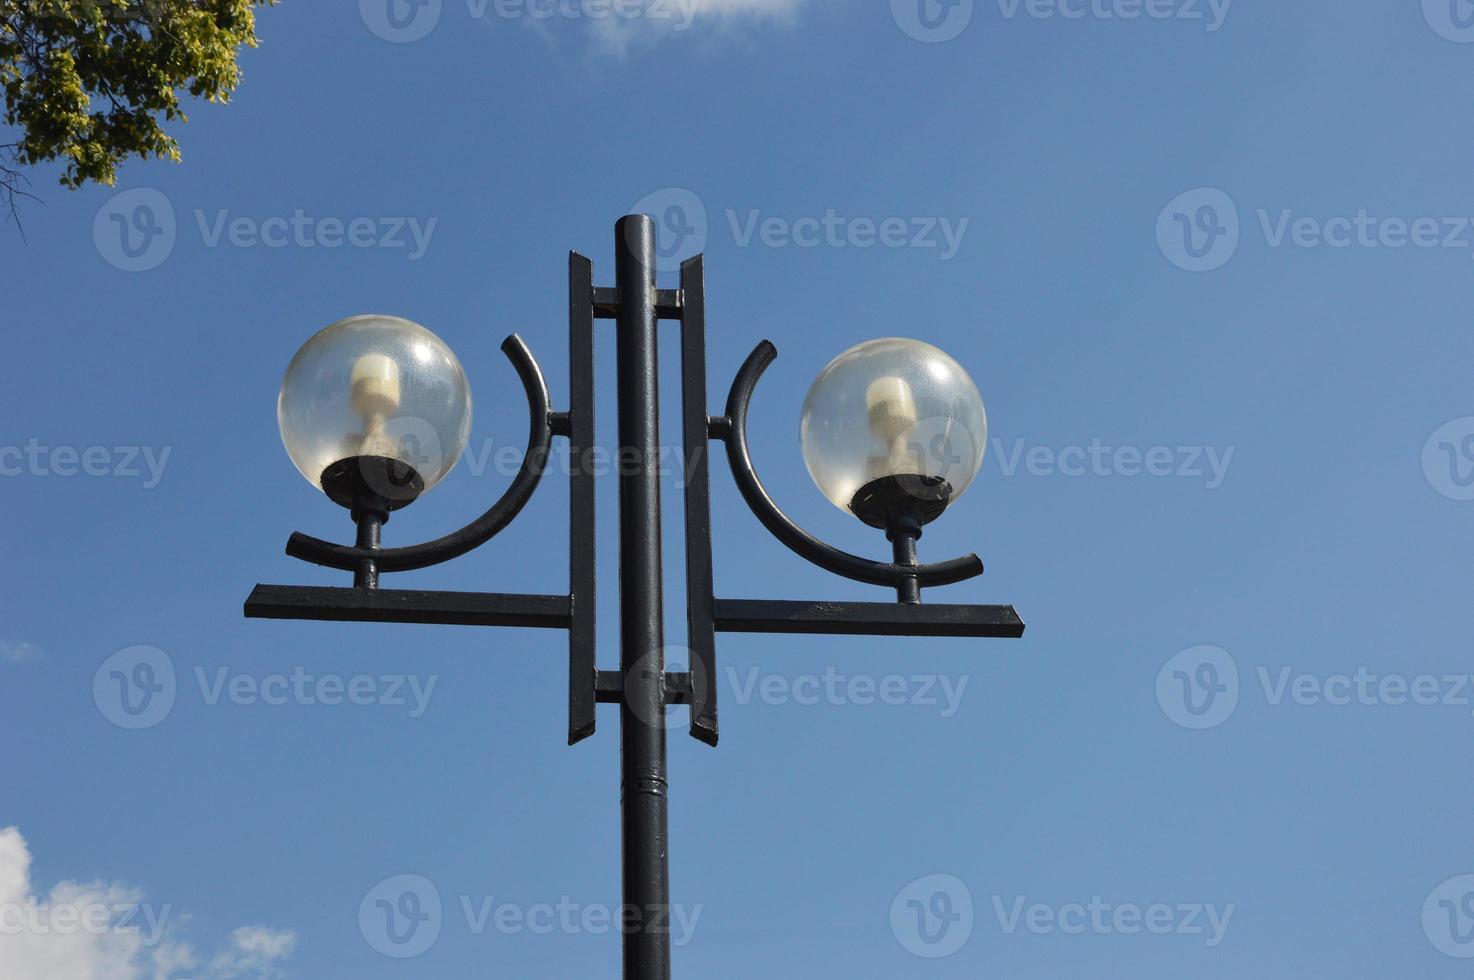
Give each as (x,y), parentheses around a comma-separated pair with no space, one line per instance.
(376,410)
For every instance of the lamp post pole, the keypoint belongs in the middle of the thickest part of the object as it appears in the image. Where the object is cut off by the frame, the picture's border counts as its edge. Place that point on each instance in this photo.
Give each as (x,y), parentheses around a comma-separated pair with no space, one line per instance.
(365,360)
(642,748)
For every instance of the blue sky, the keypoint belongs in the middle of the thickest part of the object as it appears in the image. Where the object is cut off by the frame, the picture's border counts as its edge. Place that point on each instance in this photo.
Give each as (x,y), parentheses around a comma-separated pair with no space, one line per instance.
(1210,267)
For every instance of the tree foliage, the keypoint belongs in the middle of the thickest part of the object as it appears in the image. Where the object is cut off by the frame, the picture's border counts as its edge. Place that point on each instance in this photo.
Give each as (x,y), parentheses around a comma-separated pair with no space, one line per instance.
(94,82)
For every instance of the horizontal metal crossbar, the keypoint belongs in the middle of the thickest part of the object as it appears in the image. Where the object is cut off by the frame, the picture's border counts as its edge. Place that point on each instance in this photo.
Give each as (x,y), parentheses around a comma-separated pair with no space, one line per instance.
(609,687)
(669,303)
(866,619)
(400,606)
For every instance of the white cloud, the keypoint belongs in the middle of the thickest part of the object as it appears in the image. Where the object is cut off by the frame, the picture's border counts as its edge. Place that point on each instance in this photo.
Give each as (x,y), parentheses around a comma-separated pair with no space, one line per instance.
(254,952)
(16,652)
(100,931)
(767,8)
(666,18)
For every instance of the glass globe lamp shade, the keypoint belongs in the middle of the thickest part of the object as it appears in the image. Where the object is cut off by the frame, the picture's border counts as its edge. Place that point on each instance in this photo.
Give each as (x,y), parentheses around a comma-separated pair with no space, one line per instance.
(893,416)
(374,405)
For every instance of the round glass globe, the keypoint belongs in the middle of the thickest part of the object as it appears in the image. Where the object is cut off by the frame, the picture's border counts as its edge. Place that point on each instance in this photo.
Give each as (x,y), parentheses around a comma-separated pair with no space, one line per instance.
(375,387)
(892,408)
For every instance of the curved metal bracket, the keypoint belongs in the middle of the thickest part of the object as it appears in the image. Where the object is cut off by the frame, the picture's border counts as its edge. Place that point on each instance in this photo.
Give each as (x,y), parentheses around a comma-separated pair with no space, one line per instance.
(782,527)
(485,527)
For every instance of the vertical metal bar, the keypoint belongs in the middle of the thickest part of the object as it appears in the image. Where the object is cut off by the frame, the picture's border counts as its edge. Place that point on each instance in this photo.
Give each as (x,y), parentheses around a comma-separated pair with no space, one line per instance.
(904,547)
(642,642)
(370,524)
(582,665)
(700,631)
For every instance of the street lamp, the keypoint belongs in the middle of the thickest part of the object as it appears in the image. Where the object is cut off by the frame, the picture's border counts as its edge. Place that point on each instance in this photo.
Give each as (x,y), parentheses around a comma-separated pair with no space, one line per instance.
(376,410)
(893,432)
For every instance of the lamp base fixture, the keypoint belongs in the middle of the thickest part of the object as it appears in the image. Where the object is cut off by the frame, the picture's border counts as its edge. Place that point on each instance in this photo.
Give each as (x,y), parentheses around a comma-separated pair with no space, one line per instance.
(372,483)
(902,502)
